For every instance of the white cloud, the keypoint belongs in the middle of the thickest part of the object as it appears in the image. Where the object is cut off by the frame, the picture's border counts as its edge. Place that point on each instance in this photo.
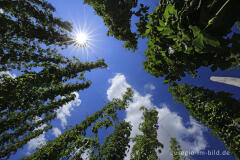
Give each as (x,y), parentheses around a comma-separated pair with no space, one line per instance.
(64,111)
(149,86)
(1,10)
(118,87)
(56,132)
(8,73)
(85,155)
(38,141)
(171,124)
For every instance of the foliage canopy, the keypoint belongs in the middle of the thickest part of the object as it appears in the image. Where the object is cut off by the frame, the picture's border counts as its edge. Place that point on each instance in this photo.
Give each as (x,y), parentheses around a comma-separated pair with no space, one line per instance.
(73,143)
(117,16)
(185,35)
(29,35)
(147,145)
(217,111)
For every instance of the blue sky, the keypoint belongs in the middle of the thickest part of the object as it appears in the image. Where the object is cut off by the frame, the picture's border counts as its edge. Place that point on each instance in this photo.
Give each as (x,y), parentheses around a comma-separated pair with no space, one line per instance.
(125,70)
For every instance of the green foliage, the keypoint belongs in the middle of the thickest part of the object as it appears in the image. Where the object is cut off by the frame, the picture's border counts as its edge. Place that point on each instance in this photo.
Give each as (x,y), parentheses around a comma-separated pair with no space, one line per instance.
(117,16)
(146,145)
(74,142)
(181,39)
(115,144)
(200,40)
(183,35)
(176,151)
(32,95)
(217,111)
(29,35)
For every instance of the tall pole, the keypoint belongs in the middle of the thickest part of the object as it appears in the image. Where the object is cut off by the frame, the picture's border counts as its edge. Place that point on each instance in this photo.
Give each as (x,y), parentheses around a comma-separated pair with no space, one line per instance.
(227,80)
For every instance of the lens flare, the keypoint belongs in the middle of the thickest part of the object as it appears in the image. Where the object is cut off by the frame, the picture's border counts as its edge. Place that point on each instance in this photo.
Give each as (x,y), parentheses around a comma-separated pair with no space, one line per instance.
(84,38)
(81,39)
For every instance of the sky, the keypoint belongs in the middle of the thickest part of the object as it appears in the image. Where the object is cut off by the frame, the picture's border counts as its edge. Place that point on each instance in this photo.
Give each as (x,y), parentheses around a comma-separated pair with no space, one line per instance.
(125,70)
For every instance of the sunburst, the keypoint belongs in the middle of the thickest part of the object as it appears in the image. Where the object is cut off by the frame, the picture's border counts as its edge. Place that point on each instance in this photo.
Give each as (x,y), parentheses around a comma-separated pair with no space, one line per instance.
(84,39)
(81,39)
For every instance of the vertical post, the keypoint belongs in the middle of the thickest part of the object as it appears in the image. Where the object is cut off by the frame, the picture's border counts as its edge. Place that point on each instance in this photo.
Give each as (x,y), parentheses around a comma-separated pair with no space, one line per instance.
(227,80)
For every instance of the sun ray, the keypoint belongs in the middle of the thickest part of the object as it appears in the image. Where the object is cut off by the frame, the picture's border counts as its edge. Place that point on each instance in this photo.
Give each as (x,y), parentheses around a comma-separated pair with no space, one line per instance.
(81,39)
(85,37)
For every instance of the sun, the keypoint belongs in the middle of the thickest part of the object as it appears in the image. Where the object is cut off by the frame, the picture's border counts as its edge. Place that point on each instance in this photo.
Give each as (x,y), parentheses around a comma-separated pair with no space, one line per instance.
(81,39)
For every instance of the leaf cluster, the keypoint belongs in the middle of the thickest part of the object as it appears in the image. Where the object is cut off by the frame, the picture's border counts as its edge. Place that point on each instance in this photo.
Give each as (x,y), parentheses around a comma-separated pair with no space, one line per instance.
(32,95)
(29,34)
(176,151)
(117,16)
(116,144)
(217,111)
(181,41)
(147,145)
(74,142)
(29,37)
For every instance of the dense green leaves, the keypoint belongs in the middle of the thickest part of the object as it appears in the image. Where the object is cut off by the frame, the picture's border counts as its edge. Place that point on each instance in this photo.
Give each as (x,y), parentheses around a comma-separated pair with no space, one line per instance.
(74,142)
(200,40)
(117,16)
(218,111)
(147,145)
(115,144)
(29,35)
(176,151)
(181,41)
(32,95)
(183,35)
